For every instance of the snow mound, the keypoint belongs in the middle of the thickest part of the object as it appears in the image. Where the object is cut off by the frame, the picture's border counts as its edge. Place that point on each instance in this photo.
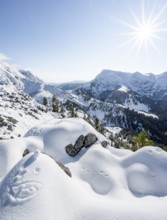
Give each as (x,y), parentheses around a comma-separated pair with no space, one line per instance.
(33,189)
(146,172)
(60,133)
(105,184)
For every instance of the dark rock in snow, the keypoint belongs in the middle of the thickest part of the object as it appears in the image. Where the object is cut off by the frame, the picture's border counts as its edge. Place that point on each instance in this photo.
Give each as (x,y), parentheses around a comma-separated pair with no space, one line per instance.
(80,143)
(26,151)
(1,119)
(66,169)
(104,144)
(10,127)
(89,139)
(71,150)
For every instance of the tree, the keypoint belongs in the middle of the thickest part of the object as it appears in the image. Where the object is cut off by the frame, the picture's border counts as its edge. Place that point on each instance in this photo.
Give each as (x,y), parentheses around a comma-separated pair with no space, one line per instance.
(141,140)
(99,126)
(45,101)
(97,123)
(62,112)
(55,104)
(55,107)
(54,99)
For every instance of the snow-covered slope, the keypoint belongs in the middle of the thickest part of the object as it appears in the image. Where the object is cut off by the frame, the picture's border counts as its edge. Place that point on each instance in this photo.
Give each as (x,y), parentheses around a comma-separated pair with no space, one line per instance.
(10,75)
(18,111)
(106,183)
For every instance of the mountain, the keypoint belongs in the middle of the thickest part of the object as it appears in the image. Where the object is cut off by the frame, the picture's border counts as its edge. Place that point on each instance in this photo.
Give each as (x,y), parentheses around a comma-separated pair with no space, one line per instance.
(131,101)
(149,85)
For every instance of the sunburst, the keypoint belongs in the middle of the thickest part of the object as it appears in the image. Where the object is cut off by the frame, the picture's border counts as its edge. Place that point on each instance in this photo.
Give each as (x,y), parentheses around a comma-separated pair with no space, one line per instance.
(146,30)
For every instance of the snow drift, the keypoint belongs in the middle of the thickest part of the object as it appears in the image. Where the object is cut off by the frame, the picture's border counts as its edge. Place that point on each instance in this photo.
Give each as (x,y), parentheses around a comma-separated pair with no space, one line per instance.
(106,183)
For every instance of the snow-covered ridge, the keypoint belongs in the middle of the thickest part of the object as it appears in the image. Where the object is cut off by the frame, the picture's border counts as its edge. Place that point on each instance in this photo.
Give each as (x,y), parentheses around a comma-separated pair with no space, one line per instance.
(10,75)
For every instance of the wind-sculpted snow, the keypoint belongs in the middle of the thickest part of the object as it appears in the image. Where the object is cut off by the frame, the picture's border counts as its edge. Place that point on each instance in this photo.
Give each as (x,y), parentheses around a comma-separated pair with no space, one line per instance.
(146,172)
(61,133)
(106,183)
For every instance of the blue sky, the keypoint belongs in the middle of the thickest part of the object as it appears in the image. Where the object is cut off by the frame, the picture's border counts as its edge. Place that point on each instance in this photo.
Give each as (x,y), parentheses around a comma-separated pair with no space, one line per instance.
(66,40)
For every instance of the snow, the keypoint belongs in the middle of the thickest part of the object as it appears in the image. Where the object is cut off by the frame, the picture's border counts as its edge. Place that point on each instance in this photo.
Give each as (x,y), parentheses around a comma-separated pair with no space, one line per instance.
(123,89)
(21,108)
(114,130)
(106,183)
(60,133)
(148,114)
(137,106)
(10,75)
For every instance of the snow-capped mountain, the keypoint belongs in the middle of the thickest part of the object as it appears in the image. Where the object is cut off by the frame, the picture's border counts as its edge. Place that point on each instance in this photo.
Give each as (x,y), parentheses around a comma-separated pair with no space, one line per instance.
(149,85)
(130,101)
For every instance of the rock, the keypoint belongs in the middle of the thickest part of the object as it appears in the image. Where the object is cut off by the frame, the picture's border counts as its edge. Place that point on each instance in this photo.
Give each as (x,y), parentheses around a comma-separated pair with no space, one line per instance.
(10,127)
(66,169)
(104,144)
(12,120)
(4,123)
(90,139)
(1,119)
(26,152)
(71,151)
(79,144)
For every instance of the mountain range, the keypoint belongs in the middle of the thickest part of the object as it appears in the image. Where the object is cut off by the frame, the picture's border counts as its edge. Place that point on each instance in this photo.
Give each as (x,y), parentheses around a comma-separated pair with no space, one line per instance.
(131,101)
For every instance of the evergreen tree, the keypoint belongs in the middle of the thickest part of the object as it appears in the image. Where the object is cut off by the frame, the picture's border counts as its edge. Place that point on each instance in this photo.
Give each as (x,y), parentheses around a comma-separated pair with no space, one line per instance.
(55,104)
(55,107)
(97,123)
(54,99)
(141,140)
(45,101)
(62,112)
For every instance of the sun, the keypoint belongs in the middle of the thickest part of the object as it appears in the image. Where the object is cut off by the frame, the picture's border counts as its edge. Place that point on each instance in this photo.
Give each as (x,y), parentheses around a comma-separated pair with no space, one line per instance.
(145,30)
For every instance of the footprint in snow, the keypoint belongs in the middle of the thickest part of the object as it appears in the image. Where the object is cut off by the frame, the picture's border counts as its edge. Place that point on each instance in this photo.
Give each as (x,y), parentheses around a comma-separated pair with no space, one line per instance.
(23,191)
(16,190)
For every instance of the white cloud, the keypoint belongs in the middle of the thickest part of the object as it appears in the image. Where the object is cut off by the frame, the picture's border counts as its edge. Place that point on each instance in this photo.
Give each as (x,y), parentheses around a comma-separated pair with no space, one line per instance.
(4,57)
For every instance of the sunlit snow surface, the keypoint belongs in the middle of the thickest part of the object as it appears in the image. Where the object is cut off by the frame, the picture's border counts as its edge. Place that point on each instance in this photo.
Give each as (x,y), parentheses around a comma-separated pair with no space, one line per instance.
(106,183)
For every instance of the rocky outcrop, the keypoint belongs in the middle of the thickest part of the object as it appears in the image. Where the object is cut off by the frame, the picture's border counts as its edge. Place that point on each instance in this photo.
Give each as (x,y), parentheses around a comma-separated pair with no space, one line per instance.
(81,142)
(104,144)
(66,169)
